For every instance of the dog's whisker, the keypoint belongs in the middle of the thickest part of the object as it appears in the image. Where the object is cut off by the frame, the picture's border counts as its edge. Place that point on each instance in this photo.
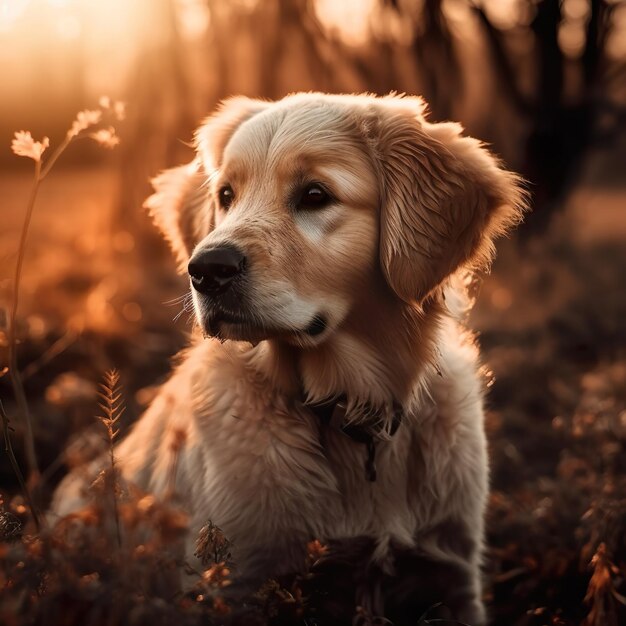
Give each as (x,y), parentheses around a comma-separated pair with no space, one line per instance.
(177,300)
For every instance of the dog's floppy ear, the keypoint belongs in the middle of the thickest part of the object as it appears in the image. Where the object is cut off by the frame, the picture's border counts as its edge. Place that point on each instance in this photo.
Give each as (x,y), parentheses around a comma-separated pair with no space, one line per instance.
(444,198)
(181,209)
(217,129)
(181,206)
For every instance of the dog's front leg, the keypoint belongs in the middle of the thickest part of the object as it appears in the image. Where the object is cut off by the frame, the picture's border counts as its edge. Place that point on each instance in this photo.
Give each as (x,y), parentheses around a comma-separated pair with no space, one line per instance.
(440,577)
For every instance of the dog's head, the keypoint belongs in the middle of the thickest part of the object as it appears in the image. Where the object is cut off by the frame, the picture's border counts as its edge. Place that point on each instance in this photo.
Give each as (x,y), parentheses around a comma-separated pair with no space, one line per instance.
(292,209)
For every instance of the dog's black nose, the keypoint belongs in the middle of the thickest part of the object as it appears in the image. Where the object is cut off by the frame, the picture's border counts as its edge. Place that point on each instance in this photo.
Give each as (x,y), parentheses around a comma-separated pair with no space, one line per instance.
(213,270)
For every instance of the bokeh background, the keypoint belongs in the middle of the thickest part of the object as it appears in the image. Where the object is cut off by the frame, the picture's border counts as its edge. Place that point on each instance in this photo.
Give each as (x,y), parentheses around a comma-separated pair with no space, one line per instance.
(542,81)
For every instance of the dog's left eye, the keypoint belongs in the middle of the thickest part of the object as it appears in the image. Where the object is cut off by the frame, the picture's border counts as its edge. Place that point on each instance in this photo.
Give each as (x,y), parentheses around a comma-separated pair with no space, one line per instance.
(314,196)
(226,196)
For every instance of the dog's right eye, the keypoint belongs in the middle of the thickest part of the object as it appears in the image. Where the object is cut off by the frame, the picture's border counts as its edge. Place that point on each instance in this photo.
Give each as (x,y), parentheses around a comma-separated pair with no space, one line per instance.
(314,196)
(226,196)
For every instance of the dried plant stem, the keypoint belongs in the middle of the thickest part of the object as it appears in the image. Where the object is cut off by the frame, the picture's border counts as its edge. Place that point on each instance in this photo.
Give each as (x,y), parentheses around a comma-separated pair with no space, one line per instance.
(58,347)
(14,374)
(112,406)
(16,381)
(24,145)
(16,468)
(54,156)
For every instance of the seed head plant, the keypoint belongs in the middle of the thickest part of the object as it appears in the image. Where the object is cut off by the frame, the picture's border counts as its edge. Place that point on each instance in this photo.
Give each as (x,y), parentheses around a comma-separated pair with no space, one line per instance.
(112,409)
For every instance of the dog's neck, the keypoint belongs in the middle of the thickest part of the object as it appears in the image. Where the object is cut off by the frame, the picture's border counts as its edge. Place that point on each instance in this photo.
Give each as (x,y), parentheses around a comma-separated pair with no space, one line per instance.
(376,356)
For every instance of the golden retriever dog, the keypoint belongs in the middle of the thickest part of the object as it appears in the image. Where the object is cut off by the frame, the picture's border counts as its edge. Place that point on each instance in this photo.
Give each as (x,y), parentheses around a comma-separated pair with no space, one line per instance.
(333,392)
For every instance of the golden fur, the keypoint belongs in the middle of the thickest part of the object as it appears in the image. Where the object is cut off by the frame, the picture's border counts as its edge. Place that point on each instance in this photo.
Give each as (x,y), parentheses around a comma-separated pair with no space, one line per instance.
(414,206)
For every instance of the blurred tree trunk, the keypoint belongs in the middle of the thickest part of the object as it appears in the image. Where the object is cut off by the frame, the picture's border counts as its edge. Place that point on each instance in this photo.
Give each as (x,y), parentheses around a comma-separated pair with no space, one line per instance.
(160,118)
(436,58)
(562,129)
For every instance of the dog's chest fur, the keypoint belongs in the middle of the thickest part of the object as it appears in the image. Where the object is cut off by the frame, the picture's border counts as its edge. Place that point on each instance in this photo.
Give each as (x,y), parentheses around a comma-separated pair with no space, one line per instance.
(255,463)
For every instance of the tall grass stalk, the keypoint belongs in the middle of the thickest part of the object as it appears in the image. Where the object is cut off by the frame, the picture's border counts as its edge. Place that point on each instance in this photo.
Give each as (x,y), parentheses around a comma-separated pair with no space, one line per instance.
(14,375)
(16,467)
(24,145)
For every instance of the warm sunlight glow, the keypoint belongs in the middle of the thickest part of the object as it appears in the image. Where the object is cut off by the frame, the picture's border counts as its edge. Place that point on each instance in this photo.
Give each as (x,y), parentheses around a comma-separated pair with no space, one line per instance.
(194,18)
(59,40)
(349,19)
(10,12)
(68,27)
